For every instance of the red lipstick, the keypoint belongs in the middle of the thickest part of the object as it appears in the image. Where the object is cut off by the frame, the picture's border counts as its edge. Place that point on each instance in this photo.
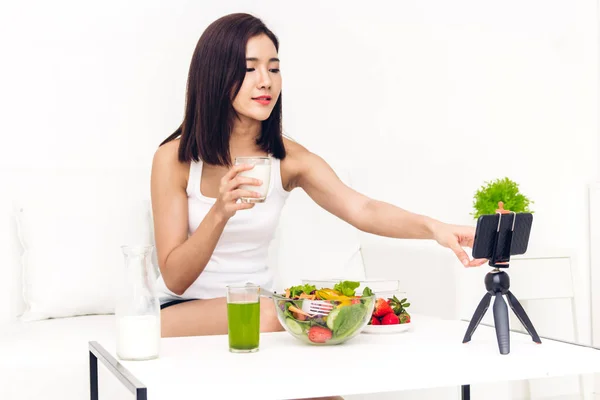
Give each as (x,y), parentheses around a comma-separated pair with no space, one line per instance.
(264,100)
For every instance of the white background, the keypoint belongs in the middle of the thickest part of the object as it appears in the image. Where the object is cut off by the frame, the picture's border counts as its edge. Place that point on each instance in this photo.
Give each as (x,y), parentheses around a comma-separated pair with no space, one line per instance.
(423,101)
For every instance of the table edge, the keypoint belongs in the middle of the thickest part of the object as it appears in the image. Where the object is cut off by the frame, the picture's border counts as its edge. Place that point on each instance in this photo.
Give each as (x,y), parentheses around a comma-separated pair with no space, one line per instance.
(135,386)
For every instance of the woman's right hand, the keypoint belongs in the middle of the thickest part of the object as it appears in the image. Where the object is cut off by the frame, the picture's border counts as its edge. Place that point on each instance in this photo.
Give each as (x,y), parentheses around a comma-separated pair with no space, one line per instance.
(229,192)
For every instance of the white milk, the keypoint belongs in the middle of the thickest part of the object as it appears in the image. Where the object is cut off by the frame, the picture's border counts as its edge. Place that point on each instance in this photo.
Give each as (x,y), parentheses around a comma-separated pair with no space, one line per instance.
(262,172)
(138,337)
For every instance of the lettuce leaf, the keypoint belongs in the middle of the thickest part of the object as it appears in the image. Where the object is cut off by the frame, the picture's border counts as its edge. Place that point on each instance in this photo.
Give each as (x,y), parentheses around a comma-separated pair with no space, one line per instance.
(296,291)
(348,320)
(347,288)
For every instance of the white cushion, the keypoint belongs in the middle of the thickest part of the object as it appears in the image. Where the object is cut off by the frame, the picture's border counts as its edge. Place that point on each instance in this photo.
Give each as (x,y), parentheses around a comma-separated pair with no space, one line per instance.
(71,230)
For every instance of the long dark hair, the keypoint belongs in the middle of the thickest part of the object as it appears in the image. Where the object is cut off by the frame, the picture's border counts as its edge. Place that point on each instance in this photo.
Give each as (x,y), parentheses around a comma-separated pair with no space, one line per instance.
(215,76)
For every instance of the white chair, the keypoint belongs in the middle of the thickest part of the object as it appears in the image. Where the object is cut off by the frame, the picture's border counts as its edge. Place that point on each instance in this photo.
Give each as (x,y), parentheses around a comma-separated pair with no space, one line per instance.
(541,282)
(545,277)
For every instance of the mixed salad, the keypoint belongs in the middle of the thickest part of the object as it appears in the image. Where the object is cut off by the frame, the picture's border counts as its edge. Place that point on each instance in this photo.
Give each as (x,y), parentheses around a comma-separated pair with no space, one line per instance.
(390,311)
(345,312)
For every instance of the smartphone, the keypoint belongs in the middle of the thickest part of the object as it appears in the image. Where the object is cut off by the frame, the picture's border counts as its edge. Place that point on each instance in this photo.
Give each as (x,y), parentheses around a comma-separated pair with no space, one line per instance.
(494,232)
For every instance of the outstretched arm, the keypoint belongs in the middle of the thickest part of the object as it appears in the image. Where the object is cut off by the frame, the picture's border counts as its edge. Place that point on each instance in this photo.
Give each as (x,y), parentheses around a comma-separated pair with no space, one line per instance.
(321,183)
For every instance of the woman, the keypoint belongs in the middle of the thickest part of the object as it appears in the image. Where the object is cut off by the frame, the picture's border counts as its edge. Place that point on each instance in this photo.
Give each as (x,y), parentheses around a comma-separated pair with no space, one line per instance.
(207,239)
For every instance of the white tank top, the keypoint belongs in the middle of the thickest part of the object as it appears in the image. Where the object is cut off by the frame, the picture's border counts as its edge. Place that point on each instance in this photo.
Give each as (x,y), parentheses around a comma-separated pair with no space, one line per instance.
(240,255)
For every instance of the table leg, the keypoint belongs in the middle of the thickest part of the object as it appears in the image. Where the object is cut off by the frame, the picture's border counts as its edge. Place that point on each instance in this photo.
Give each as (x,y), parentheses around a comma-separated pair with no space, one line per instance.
(93,377)
(465,392)
(131,382)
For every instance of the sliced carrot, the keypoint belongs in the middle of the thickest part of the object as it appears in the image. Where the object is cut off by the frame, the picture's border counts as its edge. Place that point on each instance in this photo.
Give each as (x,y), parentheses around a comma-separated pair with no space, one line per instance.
(297,310)
(299,317)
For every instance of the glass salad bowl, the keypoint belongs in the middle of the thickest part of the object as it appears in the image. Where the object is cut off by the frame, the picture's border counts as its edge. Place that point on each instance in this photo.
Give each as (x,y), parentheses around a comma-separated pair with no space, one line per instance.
(326,315)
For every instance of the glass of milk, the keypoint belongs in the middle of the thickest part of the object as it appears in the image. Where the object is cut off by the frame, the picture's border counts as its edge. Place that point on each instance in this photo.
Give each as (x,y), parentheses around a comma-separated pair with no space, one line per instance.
(262,171)
(137,309)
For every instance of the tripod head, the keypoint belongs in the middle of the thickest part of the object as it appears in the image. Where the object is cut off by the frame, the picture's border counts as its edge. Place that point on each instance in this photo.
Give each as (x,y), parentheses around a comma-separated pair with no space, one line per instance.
(500,235)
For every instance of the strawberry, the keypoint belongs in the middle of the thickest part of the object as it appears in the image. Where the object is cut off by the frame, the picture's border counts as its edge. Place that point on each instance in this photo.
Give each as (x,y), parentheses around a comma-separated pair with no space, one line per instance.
(398,306)
(404,318)
(382,308)
(355,301)
(390,319)
(319,334)
(375,321)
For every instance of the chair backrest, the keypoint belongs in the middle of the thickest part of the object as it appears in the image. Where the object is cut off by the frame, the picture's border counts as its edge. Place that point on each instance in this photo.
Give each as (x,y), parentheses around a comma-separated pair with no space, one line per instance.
(544,277)
(425,272)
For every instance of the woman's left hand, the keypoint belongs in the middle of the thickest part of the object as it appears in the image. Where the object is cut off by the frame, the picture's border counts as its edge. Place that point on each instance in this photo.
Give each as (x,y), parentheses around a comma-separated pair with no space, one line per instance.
(455,237)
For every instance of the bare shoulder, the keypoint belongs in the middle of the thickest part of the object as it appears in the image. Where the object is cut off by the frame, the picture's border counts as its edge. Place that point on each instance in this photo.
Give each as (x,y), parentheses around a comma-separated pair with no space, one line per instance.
(315,176)
(166,166)
(298,163)
(294,163)
(294,150)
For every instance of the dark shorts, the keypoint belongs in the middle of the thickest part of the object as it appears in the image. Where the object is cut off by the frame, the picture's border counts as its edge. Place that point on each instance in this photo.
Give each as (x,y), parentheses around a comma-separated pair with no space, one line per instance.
(172,303)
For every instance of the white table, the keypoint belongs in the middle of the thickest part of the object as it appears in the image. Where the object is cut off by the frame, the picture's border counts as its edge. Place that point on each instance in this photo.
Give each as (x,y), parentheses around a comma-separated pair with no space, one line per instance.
(430,355)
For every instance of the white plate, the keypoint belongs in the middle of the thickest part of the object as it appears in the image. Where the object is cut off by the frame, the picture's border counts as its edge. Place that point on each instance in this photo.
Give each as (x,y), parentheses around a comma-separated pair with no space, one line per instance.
(381,329)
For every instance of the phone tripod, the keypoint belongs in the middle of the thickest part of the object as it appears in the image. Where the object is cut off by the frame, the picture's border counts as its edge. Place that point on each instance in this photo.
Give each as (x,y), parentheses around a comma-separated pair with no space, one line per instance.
(500,239)
(497,284)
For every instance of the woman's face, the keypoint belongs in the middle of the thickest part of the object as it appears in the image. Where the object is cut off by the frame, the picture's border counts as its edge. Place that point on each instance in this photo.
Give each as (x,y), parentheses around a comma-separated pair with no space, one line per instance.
(262,83)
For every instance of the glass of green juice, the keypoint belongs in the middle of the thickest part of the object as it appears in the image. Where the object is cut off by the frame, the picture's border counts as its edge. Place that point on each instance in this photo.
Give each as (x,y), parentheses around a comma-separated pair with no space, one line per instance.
(243,318)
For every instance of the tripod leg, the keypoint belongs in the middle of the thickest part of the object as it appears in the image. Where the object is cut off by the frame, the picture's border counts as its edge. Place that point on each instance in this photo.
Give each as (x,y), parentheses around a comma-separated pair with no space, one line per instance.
(477,316)
(520,313)
(501,323)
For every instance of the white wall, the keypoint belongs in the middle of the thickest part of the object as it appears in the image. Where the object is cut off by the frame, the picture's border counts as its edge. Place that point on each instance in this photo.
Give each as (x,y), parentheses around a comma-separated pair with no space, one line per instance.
(424,100)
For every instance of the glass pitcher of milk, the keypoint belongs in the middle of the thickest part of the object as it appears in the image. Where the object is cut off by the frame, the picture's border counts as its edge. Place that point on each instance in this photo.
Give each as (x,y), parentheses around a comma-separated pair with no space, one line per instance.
(137,310)
(262,171)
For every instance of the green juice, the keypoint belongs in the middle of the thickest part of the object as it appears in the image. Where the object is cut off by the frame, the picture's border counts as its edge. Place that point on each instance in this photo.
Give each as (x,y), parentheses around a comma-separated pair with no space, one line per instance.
(244,326)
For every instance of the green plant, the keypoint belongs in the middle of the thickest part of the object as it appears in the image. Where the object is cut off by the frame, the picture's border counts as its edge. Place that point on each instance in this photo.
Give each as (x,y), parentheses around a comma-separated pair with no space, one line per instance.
(487,197)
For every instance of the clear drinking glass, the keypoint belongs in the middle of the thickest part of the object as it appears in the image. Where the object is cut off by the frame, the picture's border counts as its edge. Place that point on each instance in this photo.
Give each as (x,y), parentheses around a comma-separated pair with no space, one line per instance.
(243,318)
(262,171)
(138,310)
